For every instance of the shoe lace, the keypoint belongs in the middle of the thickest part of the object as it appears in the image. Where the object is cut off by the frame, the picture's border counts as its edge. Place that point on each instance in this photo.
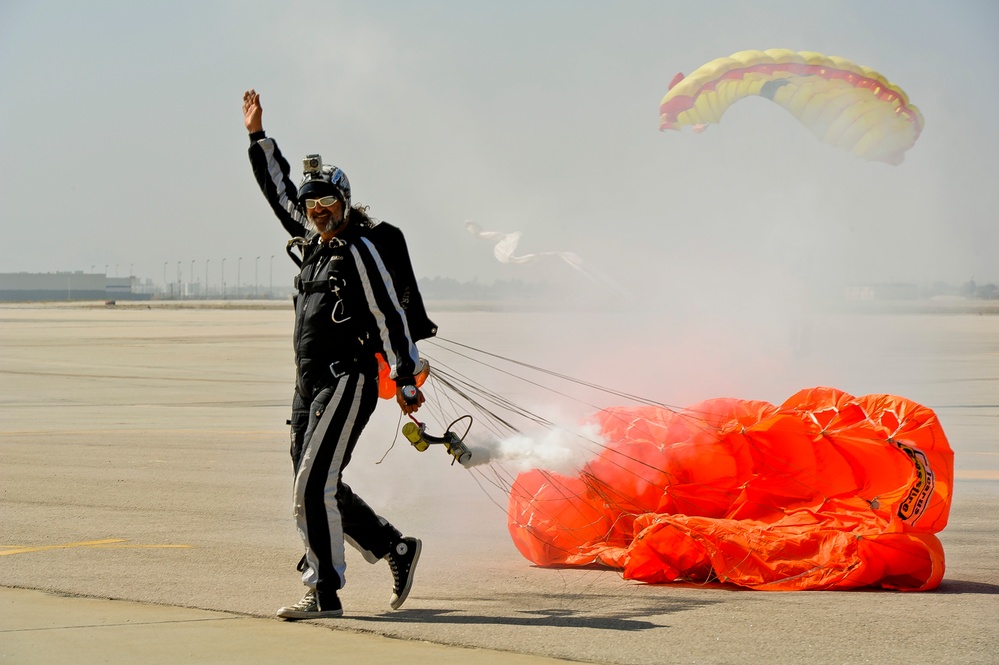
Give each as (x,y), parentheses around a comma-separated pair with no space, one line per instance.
(394,566)
(307,602)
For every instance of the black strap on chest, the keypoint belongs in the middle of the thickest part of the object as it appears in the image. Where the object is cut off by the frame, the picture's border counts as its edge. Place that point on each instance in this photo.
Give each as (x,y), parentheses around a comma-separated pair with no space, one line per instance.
(299,244)
(322,250)
(327,285)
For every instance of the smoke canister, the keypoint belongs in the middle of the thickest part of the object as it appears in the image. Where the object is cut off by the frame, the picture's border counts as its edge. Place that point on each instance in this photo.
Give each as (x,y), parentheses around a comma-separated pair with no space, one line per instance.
(415,435)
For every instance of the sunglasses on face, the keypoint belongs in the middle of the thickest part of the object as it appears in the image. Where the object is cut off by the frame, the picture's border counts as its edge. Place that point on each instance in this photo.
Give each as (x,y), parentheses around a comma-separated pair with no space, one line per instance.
(326,202)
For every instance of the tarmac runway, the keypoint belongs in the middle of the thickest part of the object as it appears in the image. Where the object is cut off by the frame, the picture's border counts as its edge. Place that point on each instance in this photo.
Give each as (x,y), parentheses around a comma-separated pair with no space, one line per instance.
(144,461)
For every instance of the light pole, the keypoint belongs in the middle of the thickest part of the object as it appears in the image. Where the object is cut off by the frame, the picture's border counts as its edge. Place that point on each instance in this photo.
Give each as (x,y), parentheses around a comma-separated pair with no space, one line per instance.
(191,279)
(256,278)
(180,282)
(223,279)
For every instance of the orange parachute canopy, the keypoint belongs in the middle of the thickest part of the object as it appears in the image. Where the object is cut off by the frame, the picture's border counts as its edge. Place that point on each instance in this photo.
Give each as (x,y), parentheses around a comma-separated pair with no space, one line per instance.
(843,104)
(826,491)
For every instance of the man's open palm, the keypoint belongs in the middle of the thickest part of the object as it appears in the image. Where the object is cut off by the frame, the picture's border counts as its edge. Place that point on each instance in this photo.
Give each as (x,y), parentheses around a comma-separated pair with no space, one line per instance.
(252,112)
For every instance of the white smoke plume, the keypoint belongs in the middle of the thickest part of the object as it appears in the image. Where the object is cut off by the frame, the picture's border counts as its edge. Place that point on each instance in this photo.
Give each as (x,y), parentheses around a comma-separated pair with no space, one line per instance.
(560,450)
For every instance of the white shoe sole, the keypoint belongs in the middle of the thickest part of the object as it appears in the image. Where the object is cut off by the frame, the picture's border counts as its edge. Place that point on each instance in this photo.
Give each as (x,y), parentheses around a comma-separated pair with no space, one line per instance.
(288,613)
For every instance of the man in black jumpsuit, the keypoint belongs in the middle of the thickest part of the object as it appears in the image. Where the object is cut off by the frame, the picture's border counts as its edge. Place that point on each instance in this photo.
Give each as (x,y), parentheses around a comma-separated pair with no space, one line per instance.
(357,296)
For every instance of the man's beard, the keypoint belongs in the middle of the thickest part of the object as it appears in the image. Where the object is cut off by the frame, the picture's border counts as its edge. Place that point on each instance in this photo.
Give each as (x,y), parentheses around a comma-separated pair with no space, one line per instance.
(325,222)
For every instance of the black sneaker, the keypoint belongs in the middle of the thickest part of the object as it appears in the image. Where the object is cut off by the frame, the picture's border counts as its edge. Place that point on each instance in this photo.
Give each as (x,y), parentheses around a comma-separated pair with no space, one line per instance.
(402,560)
(308,607)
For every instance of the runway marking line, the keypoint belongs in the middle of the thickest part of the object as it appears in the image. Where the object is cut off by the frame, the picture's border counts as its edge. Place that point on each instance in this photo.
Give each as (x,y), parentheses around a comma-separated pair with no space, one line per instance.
(977,474)
(107,543)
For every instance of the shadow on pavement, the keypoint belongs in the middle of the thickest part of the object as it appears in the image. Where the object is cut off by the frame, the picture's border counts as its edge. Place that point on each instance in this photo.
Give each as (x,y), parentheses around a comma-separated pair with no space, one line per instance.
(965,586)
(539,618)
(633,619)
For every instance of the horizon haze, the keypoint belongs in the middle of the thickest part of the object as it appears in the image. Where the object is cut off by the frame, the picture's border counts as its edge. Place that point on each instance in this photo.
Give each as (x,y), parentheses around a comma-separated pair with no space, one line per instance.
(124,142)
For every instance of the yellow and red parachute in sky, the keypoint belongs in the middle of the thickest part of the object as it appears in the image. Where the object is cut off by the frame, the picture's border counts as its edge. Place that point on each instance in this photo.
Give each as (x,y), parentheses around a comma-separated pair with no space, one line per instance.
(844,104)
(826,491)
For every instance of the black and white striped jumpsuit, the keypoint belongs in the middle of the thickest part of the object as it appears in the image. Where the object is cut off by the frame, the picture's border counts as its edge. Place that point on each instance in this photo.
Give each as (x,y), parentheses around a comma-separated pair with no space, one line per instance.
(357,296)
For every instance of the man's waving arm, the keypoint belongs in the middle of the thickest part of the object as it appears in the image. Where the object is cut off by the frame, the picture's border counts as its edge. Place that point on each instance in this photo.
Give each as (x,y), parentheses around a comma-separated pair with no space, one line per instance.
(271,169)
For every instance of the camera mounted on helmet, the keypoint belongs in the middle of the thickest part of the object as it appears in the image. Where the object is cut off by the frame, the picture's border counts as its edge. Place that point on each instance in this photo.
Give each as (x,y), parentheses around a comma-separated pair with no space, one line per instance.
(319,180)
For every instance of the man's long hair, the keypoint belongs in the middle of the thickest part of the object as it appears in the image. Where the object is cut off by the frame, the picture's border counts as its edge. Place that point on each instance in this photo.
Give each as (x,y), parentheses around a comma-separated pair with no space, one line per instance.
(359,215)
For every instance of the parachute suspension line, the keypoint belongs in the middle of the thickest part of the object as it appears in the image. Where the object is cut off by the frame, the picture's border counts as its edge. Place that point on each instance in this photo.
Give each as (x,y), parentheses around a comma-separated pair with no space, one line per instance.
(445,409)
(500,478)
(463,390)
(466,391)
(558,375)
(503,479)
(511,374)
(564,377)
(446,386)
(537,369)
(456,385)
(497,485)
(564,492)
(443,404)
(450,381)
(462,386)
(458,393)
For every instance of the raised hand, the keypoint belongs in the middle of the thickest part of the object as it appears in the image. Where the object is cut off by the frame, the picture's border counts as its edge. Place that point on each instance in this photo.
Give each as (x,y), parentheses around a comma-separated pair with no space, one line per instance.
(252,112)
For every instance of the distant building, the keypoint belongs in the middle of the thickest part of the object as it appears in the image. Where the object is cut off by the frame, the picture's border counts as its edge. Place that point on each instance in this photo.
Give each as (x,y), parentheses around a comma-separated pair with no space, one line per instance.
(889,291)
(121,286)
(57,286)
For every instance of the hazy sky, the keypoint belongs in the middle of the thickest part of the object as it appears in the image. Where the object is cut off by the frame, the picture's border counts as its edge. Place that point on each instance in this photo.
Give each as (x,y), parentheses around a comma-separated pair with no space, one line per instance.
(123,144)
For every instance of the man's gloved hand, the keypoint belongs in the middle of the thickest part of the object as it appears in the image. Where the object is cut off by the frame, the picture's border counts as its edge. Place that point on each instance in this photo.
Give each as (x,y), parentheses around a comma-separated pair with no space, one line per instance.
(409,398)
